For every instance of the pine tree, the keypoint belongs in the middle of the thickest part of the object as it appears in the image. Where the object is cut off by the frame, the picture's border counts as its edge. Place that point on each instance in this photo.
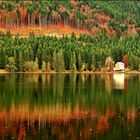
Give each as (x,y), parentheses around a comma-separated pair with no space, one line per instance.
(36,66)
(44,67)
(73,63)
(2,57)
(48,67)
(93,63)
(20,62)
(54,59)
(79,62)
(60,62)
(39,56)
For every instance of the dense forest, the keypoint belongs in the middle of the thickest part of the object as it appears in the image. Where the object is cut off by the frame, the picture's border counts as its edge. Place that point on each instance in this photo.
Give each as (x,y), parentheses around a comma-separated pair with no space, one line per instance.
(73,53)
(115,17)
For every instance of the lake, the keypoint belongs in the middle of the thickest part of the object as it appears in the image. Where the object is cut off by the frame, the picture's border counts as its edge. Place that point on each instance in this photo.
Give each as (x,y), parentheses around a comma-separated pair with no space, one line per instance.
(70,106)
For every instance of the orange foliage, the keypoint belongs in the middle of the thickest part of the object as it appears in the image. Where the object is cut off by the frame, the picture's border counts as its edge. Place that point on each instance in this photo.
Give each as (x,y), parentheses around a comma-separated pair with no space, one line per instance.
(22,132)
(125,60)
(67,128)
(58,30)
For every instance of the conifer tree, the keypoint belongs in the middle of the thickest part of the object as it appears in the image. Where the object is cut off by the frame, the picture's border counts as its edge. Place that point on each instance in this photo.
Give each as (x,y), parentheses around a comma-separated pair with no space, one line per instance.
(20,62)
(60,62)
(44,67)
(73,63)
(79,62)
(54,59)
(2,57)
(48,69)
(36,66)
(93,63)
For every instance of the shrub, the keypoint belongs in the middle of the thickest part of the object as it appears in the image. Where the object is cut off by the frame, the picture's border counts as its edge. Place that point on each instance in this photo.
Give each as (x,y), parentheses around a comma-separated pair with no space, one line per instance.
(125,60)
(134,62)
(11,65)
(28,66)
(109,64)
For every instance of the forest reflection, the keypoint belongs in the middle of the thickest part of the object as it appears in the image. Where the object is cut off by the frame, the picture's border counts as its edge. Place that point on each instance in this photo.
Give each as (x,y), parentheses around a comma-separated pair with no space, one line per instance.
(69,106)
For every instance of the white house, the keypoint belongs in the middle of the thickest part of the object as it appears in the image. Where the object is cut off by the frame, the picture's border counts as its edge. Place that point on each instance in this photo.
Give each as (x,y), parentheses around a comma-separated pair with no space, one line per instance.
(119,66)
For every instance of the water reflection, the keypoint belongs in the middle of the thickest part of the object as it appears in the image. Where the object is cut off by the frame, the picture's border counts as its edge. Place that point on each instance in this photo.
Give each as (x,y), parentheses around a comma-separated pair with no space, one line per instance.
(118,80)
(69,106)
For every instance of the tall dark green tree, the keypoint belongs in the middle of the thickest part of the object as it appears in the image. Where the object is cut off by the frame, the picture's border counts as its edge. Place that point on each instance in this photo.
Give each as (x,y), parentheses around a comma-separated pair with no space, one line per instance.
(73,63)
(54,61)
(60,61)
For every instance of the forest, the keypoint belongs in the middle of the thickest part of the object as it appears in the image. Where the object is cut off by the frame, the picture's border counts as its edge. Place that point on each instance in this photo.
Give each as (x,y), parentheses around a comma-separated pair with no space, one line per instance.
(78,14)
(83,53)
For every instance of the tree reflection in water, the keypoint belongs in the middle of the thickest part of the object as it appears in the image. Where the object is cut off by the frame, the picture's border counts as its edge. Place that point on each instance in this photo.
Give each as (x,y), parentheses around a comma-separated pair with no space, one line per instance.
(69,106)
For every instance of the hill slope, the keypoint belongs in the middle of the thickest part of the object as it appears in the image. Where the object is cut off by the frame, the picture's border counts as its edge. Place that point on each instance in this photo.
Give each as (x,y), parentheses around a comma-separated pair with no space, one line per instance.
(113,17)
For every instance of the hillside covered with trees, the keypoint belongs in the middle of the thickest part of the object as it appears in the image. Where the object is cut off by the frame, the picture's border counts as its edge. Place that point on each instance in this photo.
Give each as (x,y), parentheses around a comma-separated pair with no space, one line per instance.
(114,17)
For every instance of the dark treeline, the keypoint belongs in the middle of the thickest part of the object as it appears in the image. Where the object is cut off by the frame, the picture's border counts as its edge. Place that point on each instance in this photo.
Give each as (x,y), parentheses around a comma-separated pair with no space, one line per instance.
(67,53)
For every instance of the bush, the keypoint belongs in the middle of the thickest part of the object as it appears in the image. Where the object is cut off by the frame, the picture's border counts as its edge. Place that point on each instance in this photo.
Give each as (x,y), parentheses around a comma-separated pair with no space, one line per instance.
(109,64)
(28,66)
(134,62)
(11,65)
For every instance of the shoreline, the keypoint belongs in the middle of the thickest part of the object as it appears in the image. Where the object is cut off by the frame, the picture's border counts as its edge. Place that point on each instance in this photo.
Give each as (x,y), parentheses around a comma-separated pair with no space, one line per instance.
(68,72)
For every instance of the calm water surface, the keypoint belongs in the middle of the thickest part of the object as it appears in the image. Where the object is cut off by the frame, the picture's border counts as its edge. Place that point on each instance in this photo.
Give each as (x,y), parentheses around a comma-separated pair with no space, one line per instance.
(69,106)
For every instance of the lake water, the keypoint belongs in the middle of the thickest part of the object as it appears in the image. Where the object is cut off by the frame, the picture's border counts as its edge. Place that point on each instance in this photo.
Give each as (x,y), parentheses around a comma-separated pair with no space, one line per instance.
(69,106)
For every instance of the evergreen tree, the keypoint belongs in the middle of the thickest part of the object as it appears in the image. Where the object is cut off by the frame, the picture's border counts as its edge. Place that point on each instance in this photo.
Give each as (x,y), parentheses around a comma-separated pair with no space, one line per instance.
(48,67)
(93,63)
(44,67)
(73,63)
(60,62)
(79,62)
(39,56)
(2,57)
(54,61)
(36,66)
(20,66)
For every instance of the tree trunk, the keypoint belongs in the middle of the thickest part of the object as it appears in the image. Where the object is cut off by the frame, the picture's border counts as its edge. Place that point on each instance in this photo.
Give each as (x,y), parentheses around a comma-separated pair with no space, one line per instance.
(28,20)
(40,21)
